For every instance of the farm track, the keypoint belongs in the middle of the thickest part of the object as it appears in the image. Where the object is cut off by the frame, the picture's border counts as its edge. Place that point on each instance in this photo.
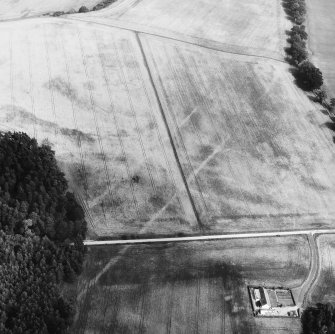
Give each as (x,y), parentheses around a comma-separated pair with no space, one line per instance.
(169,133)
(194,172)
(152,115)
(178,37)
(315,272)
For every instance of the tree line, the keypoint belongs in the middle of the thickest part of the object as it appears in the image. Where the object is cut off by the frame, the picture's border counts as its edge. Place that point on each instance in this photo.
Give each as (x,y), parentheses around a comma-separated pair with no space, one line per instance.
(42,228)
(308,76)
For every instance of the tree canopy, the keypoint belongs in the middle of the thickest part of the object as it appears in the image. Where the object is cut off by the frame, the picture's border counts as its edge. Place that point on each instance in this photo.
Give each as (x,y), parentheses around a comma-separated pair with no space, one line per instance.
(309,76)
(319,319)
(42,228)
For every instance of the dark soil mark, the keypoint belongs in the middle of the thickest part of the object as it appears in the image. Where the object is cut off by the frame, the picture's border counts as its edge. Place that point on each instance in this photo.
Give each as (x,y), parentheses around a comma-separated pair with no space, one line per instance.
(205,151)
(63,88)
(21,115)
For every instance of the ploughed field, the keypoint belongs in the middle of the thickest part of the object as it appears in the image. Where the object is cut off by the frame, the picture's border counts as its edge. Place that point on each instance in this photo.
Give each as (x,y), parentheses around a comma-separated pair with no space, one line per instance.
(187,287)
(159,137)
(321,29)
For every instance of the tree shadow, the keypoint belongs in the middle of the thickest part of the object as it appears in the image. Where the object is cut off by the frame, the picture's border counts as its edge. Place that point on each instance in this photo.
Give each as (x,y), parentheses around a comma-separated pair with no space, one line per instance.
(330,126)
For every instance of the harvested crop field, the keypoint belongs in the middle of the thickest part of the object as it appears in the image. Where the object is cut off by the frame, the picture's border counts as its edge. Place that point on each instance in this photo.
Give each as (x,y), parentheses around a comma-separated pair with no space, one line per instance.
(152,289)
(13,9)
(254,26)
(253,147)
(257,160)
(321,41)
(87,93)
(323,290)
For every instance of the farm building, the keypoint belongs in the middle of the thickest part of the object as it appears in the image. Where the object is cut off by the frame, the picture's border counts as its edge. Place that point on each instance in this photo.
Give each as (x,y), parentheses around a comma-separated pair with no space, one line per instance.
(261,298)
(272,302)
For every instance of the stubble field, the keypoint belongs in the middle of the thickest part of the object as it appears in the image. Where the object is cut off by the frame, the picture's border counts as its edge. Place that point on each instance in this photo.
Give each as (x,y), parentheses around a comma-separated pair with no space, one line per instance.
(153,289)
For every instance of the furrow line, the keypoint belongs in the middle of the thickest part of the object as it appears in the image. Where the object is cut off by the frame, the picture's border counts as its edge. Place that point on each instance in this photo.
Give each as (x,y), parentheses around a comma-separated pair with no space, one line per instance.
(31,86)
(83,169)
(135,118)
(84,62)
(11,70)
(51,88)
(125,160)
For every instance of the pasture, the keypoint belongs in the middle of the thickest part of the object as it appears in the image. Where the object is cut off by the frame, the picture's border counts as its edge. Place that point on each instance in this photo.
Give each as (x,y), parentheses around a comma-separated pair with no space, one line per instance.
(323,290)
(87,93)
(321,31)
(254,26)
(15,9)
(254,149)
(153,289)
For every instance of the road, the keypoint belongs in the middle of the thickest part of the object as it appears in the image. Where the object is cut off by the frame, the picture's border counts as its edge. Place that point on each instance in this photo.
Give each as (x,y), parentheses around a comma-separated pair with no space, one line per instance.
(301,293)
(209,237)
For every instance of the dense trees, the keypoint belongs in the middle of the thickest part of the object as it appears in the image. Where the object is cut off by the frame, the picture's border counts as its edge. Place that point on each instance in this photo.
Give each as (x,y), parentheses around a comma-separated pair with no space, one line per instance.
(33,188)
(319,319)
(30,302)
(41,232)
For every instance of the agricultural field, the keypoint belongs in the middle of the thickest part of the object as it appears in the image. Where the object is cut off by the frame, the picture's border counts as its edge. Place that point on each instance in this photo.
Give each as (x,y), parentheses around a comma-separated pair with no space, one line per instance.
(323,289)
(254,149)
(152,289)
(254,26)
(256,161)
(87,93)
(15,9)
(320,22)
